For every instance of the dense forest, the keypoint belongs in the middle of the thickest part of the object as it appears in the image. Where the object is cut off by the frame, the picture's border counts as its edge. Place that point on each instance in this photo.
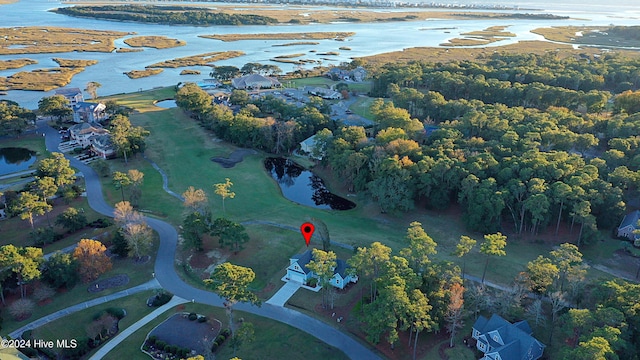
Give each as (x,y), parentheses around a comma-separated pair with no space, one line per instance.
(184,15)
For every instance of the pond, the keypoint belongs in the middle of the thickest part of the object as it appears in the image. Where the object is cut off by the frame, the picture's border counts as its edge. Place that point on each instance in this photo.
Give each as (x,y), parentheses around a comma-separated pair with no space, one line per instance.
(303,186)
(15,159)
(167,104)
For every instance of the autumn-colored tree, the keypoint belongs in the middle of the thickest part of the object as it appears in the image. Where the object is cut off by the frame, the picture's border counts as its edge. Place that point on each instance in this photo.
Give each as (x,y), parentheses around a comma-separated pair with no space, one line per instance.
(139,238)
(195,200)
(123,214)
(136,178)
(92,259)
(224,190)
(454,310)
(92,89)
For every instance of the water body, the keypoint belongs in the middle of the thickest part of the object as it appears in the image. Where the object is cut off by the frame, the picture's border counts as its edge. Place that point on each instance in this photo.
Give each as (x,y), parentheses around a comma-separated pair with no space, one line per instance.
(370,39)
(166,104)
(15,159)
(304,187)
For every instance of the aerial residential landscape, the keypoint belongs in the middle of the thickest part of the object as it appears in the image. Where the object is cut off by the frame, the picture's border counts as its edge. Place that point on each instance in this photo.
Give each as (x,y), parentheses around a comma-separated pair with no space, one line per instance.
(320,180)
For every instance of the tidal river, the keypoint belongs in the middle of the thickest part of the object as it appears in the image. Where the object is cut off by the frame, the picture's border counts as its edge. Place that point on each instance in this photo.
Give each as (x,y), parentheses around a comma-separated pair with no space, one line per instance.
(369,39)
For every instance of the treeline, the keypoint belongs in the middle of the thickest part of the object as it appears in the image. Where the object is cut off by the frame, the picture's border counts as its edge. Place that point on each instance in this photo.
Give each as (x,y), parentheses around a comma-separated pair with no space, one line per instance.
(14,120)
(266,123)
(184,15)
(527,80)
(533,167)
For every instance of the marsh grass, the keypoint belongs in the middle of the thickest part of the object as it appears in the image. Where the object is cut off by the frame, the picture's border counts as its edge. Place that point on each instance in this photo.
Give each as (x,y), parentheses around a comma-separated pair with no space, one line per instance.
(324,35)
(67,63)
(136,74)
(39,80)
(15,63)
(198,60)
(43,39)
(156,42)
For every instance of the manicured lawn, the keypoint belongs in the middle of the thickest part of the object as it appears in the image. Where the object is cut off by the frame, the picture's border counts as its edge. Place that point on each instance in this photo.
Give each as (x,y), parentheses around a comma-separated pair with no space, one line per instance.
(33,142)
(74,326)
(273,340)
(138,274)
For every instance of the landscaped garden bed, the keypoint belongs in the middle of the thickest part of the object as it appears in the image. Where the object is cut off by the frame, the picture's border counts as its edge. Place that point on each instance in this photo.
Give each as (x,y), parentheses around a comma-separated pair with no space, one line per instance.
(182,335)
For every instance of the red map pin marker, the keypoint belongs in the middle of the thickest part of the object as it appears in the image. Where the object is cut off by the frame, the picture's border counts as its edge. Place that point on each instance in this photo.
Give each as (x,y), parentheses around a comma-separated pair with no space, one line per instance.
(307,231)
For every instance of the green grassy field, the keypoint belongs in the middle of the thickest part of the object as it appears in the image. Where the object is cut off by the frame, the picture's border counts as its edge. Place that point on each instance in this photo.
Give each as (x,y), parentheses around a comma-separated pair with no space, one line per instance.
(273,340)
(74,326)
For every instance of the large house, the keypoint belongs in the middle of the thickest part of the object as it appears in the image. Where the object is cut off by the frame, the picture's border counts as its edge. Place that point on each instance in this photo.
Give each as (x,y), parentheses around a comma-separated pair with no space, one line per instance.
(255,81)
(308,146)
(357,75)
(74,95)
(499,339)
(297,271)
(88,112)
(324,93)
(629,225)
(86,135)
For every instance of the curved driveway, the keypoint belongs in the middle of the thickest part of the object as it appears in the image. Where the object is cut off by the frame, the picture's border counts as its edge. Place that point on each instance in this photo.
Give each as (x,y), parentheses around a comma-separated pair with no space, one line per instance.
(169,279)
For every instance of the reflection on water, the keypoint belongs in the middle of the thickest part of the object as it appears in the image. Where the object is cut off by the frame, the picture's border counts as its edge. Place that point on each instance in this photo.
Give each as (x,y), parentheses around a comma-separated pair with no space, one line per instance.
(166,104)
(303,186)
(15,159)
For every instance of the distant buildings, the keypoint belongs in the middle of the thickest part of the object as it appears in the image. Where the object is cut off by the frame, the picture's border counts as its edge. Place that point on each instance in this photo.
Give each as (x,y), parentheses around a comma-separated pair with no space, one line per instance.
(74,95)
(358,74)
(255,82)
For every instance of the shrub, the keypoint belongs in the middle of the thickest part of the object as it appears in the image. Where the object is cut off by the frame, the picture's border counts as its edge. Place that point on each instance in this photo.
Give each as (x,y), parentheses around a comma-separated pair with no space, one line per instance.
(21,308)
(161,298)
(118,313)
(225,332)
(160,344)
(220,339)
(214,347)
(152,339)
(42,236)
(146,346)
(167,348)
(43,292)
(193,316)
(202,319)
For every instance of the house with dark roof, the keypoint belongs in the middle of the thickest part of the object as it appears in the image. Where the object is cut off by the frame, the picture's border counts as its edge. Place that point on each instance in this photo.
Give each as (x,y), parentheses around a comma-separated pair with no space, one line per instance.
(88,112)
(74,95)
(297,271)
(628,225)
(499,339)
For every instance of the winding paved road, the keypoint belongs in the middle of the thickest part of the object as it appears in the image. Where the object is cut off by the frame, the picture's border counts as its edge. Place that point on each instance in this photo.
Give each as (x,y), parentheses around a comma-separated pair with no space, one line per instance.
(169,279)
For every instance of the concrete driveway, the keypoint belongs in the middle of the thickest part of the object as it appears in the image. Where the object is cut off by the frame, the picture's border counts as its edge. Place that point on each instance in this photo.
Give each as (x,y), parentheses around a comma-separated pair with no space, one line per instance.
(286,291)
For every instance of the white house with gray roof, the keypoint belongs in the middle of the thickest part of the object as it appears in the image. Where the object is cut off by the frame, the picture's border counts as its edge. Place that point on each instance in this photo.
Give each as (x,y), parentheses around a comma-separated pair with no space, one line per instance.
(628,225)
(297,271)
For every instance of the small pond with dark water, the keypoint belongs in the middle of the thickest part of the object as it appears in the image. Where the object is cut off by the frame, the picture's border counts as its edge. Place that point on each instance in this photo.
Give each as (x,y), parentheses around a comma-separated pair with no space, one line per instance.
(303,186)
(15,159)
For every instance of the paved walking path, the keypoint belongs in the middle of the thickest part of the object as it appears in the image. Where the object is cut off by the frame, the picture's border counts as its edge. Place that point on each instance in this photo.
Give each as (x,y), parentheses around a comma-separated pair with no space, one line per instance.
(285,293)
(111,344)
(166,275)
(149,285)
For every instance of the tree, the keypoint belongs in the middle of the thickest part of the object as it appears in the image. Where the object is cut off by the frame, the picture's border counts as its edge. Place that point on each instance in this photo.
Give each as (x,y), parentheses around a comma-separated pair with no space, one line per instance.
(72,219)
(136,177)
(24,262)
(193,99)
(370,263)
(30,204)
(14,120)
(243,335)
(61,269)
(139,238)
(57,167)
(126,138)
(224,190)
(124,214)
(561,192)
(229,233)
(419,316)
(57,106)
(454,310)
(421,246)
(463,247)
(493,245)
(92,259)
(194,226)
(120,180)
(195,200)
(224,73)
(323,265)
(323,232)
(568,259)
(231,282)
(541,274)
(92,89)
